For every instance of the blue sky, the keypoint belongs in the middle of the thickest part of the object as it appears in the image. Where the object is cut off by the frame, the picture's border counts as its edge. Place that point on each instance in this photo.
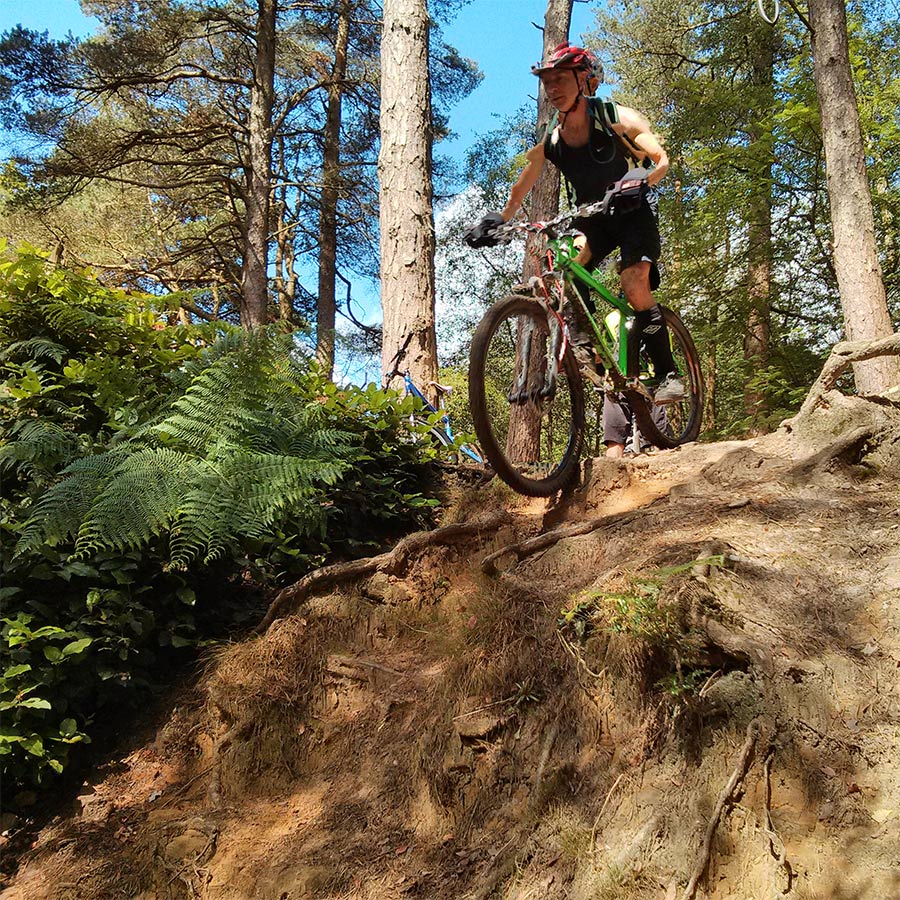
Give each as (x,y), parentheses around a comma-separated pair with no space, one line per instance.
(497,34)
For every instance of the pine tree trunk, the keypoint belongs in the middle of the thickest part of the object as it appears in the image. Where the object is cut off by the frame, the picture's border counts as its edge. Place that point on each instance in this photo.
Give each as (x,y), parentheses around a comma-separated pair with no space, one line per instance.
(712,361)
(285,280)
(406,216)
(523,438)
(863,297)
(331,175)
(759,236)
(254,274)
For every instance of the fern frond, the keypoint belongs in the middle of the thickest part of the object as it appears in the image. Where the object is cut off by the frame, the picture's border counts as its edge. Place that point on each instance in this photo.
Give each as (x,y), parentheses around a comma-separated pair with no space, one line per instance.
(244,495)
(34,349)
(334,441)
(233,398)
(34,444)
(70,321)
(59,512)
(227,343)
(205,521)
(139,501)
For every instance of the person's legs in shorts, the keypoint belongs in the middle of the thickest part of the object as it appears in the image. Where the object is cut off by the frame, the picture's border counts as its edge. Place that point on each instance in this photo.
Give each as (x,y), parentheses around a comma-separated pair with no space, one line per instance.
(617,424)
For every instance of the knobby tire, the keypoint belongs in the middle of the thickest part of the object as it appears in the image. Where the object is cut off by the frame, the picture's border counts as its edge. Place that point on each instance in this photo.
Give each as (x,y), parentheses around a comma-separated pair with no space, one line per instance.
(562,418)
(685,417)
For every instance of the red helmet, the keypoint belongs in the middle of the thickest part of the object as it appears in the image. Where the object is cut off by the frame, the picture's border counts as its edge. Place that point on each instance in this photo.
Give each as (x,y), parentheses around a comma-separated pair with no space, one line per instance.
(567,56)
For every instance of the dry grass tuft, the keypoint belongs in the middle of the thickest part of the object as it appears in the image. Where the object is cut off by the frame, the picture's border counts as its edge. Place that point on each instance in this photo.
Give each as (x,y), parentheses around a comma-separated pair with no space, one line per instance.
(466,503)
(261,694)
(510,640)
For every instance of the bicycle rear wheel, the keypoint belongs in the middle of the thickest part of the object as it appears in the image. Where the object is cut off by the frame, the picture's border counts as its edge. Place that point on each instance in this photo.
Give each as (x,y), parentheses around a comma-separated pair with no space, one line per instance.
(529,423)
(683,419)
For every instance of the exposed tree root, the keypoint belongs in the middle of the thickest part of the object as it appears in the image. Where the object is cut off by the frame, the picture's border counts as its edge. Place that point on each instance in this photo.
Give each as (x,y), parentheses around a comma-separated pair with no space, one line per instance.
(549,740)
(845,444)
(737,645)
(235,732)
(549,538)
(843,355)
(776,845)
(725,796)
(391,562)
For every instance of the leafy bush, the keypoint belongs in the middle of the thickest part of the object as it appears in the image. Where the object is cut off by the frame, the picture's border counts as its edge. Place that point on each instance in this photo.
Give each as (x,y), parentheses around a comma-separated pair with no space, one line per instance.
(151,473)
(643,609)
(78,639)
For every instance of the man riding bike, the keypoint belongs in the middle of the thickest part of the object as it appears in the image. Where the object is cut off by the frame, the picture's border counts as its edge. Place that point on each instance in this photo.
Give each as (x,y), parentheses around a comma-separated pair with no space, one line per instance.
(595,144)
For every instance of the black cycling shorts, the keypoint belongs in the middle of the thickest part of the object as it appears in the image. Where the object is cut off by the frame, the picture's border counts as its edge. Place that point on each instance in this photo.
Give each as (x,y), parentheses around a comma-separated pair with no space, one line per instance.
(636,234)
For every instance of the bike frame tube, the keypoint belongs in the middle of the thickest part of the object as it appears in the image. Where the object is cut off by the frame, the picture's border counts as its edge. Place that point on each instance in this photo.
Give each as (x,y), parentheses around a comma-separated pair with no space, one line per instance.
(604,338)
(445,418)
(411,387)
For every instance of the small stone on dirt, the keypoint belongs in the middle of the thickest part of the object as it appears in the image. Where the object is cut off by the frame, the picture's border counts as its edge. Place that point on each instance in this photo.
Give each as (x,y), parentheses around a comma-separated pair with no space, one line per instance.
(479,726)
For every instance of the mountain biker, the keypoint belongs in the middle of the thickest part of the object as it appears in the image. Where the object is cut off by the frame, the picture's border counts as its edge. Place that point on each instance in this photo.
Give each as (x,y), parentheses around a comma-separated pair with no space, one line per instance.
(595,144)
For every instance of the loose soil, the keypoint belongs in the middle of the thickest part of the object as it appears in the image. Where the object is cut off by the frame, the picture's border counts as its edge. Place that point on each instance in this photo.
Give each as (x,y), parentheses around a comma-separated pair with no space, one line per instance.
(714,665)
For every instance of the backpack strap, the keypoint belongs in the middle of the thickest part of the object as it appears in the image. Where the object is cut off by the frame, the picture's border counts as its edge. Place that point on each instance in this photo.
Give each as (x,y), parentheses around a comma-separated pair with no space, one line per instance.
(605,114)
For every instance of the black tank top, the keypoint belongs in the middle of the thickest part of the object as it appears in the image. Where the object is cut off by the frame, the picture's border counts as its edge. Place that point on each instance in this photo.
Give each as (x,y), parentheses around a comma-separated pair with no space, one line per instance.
(590,169)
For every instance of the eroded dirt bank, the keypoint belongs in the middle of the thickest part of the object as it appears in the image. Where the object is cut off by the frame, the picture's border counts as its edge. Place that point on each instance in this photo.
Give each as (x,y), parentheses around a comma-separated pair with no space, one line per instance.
(724,639)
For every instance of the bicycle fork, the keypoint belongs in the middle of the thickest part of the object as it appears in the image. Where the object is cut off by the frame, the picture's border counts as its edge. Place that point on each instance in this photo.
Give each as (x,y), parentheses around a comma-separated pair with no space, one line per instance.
(538,381)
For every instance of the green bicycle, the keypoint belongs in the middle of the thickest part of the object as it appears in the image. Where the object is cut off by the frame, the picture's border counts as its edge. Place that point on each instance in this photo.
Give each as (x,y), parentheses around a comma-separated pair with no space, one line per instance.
(526,389)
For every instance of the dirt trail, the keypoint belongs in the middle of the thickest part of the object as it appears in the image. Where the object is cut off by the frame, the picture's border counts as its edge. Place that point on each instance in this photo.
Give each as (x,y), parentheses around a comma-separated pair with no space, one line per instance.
(566,728)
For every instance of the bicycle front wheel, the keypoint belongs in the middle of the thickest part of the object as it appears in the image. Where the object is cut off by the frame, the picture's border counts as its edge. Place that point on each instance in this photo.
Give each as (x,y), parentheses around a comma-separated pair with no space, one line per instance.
(527,407)
(681,422)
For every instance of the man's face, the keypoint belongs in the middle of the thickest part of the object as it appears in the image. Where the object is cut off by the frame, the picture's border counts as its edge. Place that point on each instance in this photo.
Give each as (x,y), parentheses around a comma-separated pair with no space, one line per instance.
(562,86)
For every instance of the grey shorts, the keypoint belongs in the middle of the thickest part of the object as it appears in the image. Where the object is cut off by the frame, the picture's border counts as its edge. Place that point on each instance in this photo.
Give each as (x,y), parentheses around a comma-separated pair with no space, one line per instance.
(618,420)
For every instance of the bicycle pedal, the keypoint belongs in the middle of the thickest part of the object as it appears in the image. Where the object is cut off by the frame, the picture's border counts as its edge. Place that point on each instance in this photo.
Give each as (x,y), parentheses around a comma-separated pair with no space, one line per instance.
(592,375)
(637,385)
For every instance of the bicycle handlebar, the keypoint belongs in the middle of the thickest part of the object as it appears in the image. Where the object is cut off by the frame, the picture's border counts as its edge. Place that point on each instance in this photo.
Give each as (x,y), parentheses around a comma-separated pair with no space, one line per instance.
(506,232)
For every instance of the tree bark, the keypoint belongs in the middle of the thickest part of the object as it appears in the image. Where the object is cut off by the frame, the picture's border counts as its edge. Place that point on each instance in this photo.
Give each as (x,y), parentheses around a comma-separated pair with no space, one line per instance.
(859,277)
(254,265)
(285,282)
(759,236)
(406,215)
(523,437)
(331,175)
(843,355)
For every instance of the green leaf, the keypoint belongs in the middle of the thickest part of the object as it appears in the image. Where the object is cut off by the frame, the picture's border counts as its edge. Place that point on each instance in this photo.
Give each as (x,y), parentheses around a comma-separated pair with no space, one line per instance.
(75,647)
(68,728)
(13,671)
(74,370)
(78,569)
(34,703)
(49,631)
(186,596)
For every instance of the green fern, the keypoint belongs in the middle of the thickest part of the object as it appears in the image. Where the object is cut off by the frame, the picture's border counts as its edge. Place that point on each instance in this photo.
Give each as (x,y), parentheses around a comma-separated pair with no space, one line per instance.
(240,451)
(36,447)
(58,515)
(34,349)
(137,501)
